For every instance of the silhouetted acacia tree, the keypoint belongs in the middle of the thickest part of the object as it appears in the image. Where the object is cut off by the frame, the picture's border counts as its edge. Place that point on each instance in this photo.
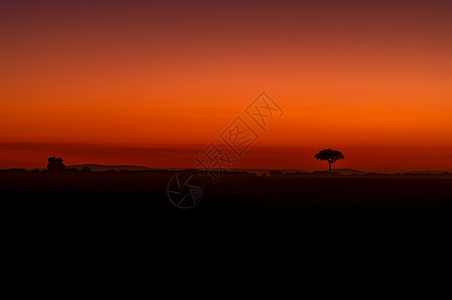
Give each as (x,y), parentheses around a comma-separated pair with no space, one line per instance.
(55,164)
(329,155)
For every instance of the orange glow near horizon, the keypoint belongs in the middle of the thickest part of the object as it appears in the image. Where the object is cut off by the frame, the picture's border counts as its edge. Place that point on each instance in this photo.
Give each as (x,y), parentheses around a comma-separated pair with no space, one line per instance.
(116,75)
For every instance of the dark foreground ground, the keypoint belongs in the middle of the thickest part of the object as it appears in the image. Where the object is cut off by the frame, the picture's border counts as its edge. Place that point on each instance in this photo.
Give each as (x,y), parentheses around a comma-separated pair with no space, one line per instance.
(276,212)
(318,232)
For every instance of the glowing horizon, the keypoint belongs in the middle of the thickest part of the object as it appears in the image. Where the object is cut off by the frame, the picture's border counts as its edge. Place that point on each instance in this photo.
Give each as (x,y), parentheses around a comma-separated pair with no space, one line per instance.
(372,80)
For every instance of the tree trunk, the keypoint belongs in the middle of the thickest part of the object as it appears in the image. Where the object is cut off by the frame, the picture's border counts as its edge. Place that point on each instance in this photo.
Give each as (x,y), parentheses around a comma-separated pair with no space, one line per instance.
(329,165)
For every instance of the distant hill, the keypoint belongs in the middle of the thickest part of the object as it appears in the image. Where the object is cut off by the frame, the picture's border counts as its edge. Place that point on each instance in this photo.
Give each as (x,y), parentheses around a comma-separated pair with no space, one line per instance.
(266,171)
(345,171)
(349,171)
(425,172)
(99,168)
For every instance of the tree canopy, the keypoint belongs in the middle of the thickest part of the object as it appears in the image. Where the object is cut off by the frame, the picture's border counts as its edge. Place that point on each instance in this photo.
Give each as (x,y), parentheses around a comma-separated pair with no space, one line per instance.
(329,155)
(55,164)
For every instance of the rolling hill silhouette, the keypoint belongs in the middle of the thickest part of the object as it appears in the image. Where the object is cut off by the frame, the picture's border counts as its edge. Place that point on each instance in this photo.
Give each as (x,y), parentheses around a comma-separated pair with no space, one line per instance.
(343,171)
(98,168)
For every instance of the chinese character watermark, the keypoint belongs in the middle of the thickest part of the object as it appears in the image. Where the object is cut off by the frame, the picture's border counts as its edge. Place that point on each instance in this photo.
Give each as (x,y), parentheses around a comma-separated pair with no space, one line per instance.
(213,160)
(239,136)
(264,110)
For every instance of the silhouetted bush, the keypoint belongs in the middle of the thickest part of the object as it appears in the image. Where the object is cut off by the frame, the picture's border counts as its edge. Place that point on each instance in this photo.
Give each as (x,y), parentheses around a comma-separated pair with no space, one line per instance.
(55,164)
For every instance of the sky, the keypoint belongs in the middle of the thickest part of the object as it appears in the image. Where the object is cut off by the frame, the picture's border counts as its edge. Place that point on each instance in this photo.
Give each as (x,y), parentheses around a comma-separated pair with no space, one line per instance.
(152,83)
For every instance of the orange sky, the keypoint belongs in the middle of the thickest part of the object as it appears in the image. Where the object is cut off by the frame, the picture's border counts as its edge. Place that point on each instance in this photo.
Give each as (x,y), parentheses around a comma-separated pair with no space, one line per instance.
(371,79)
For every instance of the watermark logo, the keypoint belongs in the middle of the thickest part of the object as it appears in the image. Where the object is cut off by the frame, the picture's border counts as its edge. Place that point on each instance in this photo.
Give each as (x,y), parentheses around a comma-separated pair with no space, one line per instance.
(185,190)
